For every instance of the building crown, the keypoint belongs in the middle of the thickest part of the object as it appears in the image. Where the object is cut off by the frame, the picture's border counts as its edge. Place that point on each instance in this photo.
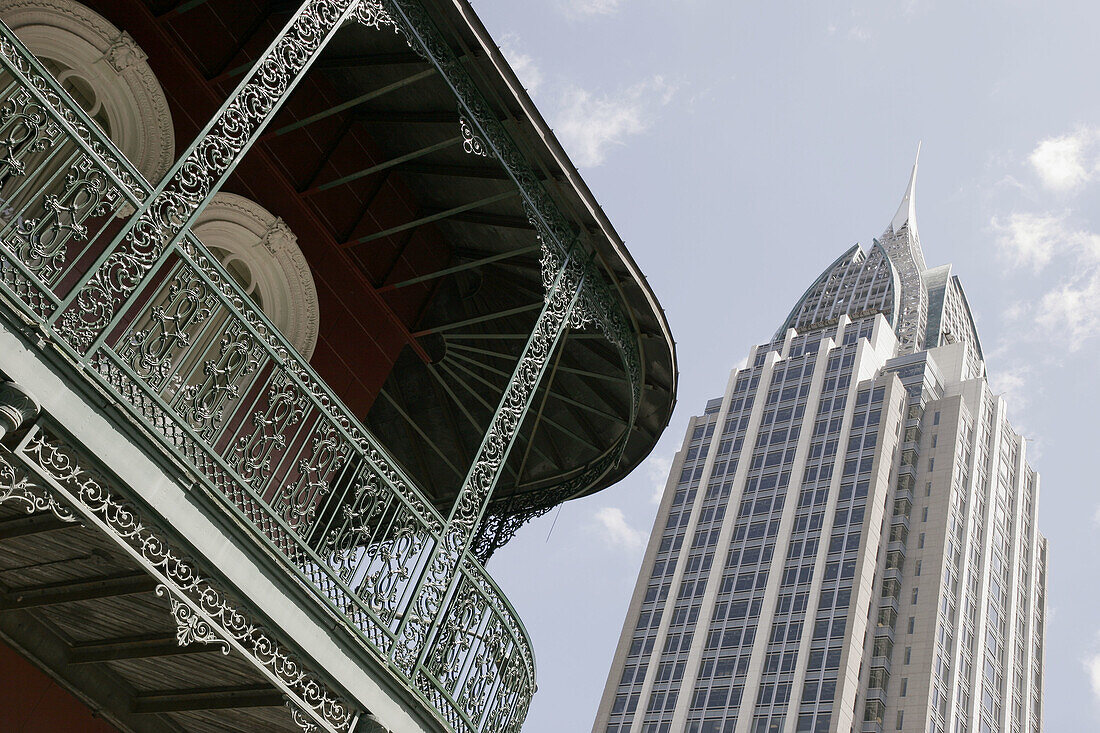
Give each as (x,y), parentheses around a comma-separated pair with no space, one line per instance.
(925,307)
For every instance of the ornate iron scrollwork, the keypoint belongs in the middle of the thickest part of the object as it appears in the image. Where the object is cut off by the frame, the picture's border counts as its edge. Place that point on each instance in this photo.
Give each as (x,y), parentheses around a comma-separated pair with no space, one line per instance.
(25,128)
(199,606)
(16,485)
(164,219)
(190,627)
(41,242)
(428,607)
(481,130)
(471,143)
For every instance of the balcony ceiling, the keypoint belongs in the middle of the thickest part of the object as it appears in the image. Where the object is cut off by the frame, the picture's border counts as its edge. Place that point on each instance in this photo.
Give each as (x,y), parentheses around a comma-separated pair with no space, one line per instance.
(427,267)
(74,604)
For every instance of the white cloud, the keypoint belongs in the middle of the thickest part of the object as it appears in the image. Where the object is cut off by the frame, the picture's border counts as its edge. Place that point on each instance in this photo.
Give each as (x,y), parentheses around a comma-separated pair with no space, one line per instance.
(524,65)
(1012,384)
(616,532)
(1015,385)
(911,7)
(656,473)
(859,33)
(1092,666)
(1068,311)
(854,32)
(1096,515)
(1015,311)
(1072,309)
(592,7)
(1066,163)
(1035,239)
(589,124)
(1030,239)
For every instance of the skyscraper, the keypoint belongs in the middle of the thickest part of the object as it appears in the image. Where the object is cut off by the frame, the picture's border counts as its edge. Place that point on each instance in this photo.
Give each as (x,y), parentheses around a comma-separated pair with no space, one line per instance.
(847,540)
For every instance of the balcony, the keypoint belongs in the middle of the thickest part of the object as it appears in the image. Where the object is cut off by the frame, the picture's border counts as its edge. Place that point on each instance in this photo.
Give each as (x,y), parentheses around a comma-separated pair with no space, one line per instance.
(876,693)
(142,350)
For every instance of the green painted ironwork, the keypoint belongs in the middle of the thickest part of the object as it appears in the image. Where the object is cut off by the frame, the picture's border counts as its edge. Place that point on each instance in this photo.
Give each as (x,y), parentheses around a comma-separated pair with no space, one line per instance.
(105,266)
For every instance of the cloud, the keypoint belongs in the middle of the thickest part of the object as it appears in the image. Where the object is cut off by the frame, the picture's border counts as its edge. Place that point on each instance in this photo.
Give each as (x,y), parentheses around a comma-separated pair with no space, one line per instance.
(859,33)
(912,7)
(524,65)
(854,32)
(591,7)
(1072,308)
(1015,385)
(1012,384)
(656,473)
(616,532)
(1030,239)
(1068,162)
(1069,310)
(1035,239)
(589,125)
(1096,515)
(1092,667)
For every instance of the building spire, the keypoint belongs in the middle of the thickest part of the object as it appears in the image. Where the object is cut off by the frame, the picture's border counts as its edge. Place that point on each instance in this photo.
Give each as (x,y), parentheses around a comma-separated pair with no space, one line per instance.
(907,212)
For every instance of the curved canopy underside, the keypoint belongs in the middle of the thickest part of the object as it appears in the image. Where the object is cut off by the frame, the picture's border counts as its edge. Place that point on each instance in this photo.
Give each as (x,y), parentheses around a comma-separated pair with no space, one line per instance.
(427,264)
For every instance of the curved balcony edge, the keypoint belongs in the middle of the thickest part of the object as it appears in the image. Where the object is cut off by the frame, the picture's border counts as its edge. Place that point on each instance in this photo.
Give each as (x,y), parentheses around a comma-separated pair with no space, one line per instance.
(478,671)
(199,371)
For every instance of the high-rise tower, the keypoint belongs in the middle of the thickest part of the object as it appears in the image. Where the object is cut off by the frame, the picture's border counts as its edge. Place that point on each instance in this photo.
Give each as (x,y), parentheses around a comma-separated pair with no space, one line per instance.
(847,540)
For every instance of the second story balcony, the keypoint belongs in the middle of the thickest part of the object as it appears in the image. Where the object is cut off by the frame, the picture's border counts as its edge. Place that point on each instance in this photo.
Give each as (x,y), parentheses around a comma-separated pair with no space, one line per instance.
(303,312)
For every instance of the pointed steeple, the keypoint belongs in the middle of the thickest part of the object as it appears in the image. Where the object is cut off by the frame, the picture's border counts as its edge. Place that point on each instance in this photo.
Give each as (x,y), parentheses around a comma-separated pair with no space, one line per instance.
(907,212)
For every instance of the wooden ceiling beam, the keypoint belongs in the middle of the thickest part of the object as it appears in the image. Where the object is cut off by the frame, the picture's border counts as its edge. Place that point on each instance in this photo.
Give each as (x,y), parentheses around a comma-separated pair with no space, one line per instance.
(351,103)
(434,217)
(85,589)
(210,698)
(384,165)
(480,319)
(134,647)
(220,71)
(181,8)
(158,35)
(23,526)
(491,220)
(407,117)
(368,60)
(458,268)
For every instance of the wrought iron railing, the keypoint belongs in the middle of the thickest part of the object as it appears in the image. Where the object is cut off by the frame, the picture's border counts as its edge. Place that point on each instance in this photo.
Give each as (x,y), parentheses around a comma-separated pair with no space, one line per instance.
(201,370)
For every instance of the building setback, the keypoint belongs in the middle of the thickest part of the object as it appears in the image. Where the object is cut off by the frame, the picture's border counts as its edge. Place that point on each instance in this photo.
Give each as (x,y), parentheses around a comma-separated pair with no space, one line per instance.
(847,539)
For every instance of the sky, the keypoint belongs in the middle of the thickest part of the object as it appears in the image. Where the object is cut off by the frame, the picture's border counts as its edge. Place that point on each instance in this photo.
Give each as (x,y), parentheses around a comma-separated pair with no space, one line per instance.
(739,148)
